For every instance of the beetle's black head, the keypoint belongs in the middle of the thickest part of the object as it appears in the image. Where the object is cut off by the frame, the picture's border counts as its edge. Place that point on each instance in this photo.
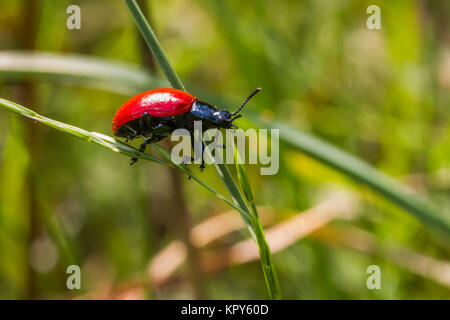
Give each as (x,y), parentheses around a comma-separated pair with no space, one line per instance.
(218,118)
(223,119)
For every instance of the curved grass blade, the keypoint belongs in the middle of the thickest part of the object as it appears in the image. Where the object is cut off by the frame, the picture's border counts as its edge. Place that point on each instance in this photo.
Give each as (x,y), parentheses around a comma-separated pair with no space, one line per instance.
(264,250)
(73,68)
(98,138)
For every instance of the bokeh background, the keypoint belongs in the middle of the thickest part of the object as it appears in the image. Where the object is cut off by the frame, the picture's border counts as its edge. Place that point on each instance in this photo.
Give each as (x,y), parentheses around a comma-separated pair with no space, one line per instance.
(382,95)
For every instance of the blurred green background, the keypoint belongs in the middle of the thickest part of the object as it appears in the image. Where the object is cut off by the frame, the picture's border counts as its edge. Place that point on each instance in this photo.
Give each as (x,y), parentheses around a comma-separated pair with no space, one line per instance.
(382,95)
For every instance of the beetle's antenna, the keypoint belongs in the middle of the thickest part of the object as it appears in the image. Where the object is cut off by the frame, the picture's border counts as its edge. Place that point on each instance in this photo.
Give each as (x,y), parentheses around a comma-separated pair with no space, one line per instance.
(234,118)
(246,100)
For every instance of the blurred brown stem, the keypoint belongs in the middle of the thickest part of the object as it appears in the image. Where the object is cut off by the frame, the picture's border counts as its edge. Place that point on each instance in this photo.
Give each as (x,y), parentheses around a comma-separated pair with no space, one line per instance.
(26,95)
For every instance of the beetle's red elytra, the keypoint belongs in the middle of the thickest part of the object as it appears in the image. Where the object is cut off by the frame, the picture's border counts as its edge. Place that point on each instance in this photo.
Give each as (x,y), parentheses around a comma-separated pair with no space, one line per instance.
(155,114)
(157,103)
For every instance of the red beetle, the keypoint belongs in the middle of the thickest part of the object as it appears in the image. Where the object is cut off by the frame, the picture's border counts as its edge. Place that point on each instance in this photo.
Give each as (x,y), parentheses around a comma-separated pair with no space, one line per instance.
(155,114)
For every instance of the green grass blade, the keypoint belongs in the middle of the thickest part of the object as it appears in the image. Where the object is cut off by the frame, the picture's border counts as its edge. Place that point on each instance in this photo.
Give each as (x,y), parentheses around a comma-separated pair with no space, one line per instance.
(74,68)
(244,182)
(236,195)
(154,45)
(264,251)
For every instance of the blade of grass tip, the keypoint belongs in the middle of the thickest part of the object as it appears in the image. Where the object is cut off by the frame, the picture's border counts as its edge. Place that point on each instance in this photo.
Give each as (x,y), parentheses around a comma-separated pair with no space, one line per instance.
(176,83)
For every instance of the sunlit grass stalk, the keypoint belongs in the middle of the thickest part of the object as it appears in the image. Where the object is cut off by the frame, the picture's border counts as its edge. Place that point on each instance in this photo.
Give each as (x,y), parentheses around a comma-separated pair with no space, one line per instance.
(264,249)
(251,221)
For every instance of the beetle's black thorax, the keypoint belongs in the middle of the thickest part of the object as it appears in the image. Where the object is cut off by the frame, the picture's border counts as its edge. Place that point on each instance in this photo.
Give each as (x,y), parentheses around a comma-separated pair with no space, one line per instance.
(211,116)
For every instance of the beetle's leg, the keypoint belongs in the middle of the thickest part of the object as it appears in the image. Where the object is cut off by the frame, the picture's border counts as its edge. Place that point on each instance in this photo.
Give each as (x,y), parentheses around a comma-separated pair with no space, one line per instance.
(144,125)
(132,136)
(159,133)
(147,141)
(141,149)
(143,145)
(202,165)
(133,161)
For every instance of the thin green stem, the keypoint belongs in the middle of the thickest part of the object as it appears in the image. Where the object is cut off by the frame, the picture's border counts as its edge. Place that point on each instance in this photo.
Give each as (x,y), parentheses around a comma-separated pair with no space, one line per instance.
(153,43)
(264,249)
